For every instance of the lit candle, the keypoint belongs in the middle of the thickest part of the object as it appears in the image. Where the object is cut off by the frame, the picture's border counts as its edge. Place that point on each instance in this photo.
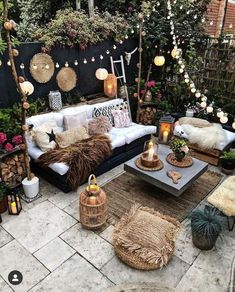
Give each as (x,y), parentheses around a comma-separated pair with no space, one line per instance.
(150,151)
(110,88)
(13,208)
(165,136)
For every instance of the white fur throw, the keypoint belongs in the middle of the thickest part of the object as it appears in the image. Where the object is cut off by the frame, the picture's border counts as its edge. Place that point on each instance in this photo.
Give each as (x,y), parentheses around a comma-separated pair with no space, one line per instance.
(223,197)
(207,137)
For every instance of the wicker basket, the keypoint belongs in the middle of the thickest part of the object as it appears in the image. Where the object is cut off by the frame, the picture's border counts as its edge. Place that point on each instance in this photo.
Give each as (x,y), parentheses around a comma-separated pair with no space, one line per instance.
(93,205)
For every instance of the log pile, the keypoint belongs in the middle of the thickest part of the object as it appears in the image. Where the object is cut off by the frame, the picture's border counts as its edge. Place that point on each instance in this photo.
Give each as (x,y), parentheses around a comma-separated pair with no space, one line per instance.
(147,115)
(12,169)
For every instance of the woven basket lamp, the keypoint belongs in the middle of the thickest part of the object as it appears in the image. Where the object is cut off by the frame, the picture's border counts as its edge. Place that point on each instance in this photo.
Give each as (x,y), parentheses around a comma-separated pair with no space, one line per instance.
(110,85)
(93,205)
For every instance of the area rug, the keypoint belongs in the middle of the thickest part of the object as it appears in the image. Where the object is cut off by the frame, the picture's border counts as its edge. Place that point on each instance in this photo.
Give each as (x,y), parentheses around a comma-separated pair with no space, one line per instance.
(127,189)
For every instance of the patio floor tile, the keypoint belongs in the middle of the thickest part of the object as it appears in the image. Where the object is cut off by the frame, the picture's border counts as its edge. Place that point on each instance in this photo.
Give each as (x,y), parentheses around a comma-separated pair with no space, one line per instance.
(38,226)
(73,210)
(4,286)
(14,257)
(4,237)
(54,253)
(107,233)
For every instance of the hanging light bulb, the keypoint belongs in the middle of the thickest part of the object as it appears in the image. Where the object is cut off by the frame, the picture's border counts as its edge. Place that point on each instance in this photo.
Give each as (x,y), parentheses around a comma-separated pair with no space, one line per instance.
(159,60)
(198,94)
(85,61)
(21,66)
(132,31)
(187,12)
(180,62)
(193,90)
(224,118)
(114,47)
(233,124)
(35,67)
(57,65)
(220,113)
(204,98)
(203,104)
(121,42)
(107,52)
(66,64)
(126,37)
(101,57)
(181,7)
(195,16)
(93,59)
(230,25)
(211,22)
(181,70)
(209,109)
(191,85)
(186,76)
(76,62)
(186,80)
(203,19)
(47,66)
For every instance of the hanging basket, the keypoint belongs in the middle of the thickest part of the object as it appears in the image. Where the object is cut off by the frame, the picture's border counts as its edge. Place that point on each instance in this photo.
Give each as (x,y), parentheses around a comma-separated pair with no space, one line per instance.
(93,205)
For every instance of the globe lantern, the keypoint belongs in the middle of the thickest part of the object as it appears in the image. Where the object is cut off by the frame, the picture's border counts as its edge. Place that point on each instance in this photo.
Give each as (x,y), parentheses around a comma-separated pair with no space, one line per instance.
(159,60)
(101,74)
(27,87)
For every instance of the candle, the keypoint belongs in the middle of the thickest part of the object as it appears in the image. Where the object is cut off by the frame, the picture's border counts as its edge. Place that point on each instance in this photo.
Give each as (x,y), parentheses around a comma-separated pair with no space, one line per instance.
(150,154)
(13,208)
(165,136)
(110,88)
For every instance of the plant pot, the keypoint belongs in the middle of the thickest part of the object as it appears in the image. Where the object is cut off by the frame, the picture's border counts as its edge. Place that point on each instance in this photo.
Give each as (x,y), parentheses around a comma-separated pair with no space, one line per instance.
(202,242)
(227,166)
(179,155)
(31,187)
(3,205)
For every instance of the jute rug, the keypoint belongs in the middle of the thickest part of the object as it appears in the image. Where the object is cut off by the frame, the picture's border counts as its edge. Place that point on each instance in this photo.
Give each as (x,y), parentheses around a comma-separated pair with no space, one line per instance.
(127,189)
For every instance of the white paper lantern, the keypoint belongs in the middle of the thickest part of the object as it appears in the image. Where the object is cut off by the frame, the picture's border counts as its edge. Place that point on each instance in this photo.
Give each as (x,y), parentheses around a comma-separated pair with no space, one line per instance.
(27,87)
(101,74)
(198,94)
(209,109)
(220,114)
(224,119)
(233,125)
(159,60)
(203,104)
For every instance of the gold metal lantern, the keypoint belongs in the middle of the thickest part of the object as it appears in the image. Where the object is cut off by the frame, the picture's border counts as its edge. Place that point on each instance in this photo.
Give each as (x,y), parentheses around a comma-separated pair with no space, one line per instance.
(93,205)
(110,85)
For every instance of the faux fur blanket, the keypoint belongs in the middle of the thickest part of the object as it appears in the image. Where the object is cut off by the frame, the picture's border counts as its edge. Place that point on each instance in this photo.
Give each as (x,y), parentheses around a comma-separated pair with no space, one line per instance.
(82,157)
(207,137)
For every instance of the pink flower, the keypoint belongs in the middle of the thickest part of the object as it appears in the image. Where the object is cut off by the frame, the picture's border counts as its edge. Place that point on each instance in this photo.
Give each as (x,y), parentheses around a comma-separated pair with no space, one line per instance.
(17,140)
(151,83)
(8,146)
(184,149)
(142,92)
(3,138)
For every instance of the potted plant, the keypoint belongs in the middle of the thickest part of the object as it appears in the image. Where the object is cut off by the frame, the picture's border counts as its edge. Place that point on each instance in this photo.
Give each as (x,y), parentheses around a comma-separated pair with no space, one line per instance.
(3,196)
(206,227)
(227,161)
(179,148)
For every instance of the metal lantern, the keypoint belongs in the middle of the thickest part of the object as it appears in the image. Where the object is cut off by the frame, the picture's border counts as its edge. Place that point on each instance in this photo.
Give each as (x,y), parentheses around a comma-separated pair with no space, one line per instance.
(55,101)
(166,129)
(14,203)
(110,85)
(93,205)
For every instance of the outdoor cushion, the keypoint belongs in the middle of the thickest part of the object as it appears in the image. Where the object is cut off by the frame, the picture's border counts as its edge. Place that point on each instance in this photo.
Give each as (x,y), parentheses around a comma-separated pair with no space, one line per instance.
(99,126)
(223,197)
(121,118)
(76,120)
(144,238)
(116,140)
(38,120)
(71,136)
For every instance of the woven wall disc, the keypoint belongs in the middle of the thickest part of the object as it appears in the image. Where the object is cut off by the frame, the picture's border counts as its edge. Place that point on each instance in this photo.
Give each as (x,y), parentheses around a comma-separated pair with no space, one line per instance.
(42,67)
(66,79)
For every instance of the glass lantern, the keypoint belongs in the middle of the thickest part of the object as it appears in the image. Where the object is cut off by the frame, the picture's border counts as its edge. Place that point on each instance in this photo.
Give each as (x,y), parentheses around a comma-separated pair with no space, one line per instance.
(14,203)
(166,129)
(110,86)
(149,157)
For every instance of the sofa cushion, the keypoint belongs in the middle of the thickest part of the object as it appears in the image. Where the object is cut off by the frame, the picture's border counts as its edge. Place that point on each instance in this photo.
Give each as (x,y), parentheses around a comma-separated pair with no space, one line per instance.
(71,136)
(38,120)
(121,118)
(105,111)
(99,126)
(75,120)
(116,140)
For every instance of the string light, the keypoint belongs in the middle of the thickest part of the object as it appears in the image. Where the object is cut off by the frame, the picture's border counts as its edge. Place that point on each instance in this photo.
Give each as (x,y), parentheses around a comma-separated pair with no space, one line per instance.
(35,67)
(47,66)
(21,66)
(114,47)
(101,57)
(107,52)
(220,113)
(57,65)
(93,59)
(9,63)
(85,61)
(66,64)
(132,31)
(224,119)
(121,42)
(233,124)
(126,36)
(76,62)
(209,109)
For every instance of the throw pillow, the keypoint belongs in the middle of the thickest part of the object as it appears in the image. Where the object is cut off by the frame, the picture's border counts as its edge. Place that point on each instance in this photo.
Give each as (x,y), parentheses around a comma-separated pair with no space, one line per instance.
(121,106)
(75,121)
(104,111)
(199,123)
(41,137)
(121,118)
(99,126)
(144,238)
(71,136)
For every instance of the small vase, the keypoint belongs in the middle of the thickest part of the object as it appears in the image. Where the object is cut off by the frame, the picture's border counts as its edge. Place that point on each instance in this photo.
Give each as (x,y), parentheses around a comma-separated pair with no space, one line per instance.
(179,155)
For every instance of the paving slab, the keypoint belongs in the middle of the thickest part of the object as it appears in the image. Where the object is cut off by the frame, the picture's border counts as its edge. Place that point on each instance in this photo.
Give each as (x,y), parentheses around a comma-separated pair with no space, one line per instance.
(73,210)
(14,257)
(75,275)
(5,237)
(88,244)
(54,253)
(107,233)
(119,273)
(38,226)
(4,287)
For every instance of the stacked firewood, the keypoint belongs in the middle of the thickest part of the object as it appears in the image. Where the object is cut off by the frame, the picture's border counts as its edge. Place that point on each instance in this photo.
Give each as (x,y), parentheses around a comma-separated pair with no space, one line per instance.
(12,169)
(147,115)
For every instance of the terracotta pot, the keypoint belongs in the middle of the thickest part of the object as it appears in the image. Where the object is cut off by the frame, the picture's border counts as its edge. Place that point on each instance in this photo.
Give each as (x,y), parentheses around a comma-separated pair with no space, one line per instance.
(179,155)
(3,205)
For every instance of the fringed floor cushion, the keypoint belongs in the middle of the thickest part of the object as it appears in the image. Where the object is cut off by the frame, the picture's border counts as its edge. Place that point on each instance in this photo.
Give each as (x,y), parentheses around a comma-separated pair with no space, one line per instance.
(145,239)
(223,197)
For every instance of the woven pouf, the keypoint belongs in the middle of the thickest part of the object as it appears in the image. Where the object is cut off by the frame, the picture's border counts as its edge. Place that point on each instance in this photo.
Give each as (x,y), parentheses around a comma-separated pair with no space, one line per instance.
(145,239)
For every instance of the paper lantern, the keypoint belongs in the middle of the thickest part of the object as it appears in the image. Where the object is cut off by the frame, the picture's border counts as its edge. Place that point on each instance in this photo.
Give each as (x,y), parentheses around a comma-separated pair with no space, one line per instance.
(101,74)
(110,85)
(174,53)
(224,119)
(27,87)
(159,60)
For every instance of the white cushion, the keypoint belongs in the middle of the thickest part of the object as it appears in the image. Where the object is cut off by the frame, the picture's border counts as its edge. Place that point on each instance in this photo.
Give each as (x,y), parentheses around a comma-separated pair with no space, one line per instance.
(133,132)
(230,137)
(59,167)
(116,140)
(75,110)
(38,120)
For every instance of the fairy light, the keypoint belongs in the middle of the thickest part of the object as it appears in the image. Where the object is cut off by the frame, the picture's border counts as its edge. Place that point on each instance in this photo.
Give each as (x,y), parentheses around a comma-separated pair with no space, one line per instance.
(233,124)
(57,65)
(101,57)
(85,61)
(76,62)
(66,64)
(224,119)
(107,52)
(93,59)
(47,66)
(22,66)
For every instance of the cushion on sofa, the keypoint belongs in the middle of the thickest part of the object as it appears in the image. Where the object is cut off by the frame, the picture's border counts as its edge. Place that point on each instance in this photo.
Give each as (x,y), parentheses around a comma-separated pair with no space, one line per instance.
(121,118)
(75,121)
(105,111)
(99,126)
(38,120)
(71,136)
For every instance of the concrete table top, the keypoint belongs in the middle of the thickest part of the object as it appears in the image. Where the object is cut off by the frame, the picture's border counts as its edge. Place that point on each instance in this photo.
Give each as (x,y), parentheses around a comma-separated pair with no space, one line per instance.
(160,178)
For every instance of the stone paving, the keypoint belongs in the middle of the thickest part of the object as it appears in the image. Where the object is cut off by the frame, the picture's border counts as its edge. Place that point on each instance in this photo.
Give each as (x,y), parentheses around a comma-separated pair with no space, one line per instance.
(47,244)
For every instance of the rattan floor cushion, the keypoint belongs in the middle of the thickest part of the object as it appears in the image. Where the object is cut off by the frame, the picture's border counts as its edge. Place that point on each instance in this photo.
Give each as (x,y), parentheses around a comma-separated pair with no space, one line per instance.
(223,197)
(145,239)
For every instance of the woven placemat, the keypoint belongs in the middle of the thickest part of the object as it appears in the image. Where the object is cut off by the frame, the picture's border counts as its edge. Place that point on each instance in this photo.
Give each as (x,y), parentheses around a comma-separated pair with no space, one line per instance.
(187,161)
(156,168)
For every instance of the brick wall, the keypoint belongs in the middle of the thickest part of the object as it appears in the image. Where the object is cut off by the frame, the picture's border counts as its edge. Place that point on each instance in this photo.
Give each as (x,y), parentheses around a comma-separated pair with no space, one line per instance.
(215,14)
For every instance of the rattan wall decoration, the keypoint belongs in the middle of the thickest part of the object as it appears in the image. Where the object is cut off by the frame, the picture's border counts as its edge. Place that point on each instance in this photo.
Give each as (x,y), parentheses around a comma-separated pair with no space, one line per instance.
(66,79)
(42,67)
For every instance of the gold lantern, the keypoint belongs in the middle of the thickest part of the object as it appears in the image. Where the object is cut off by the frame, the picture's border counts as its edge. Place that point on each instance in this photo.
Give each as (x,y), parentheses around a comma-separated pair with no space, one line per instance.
(159,60)
(110,85)
(166,128)
(93,205)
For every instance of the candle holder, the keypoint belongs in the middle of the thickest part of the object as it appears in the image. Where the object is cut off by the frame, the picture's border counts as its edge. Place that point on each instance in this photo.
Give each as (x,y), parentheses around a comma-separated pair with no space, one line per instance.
(14,203)
(166,129)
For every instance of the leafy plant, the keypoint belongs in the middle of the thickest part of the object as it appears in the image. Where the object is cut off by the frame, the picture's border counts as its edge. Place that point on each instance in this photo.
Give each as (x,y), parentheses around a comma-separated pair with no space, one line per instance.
(229,155)
(206,222)
(3,189)
(179,145)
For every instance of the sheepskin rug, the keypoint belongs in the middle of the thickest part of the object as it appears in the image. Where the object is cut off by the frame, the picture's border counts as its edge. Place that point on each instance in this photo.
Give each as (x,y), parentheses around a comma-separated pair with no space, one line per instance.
(207,137)
(223,197)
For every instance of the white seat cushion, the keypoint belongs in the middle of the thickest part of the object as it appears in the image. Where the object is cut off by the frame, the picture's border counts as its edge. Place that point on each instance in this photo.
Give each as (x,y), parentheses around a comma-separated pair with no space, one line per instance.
(134,132)
(38,120)
(116,140)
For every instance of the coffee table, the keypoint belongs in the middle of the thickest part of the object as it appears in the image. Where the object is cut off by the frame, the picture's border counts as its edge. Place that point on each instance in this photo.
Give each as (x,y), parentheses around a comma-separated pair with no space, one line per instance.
(160,178)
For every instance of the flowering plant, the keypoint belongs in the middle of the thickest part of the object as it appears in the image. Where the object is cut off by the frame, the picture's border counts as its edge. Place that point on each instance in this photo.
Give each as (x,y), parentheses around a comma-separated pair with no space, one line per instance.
(179,145)
(9,144)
